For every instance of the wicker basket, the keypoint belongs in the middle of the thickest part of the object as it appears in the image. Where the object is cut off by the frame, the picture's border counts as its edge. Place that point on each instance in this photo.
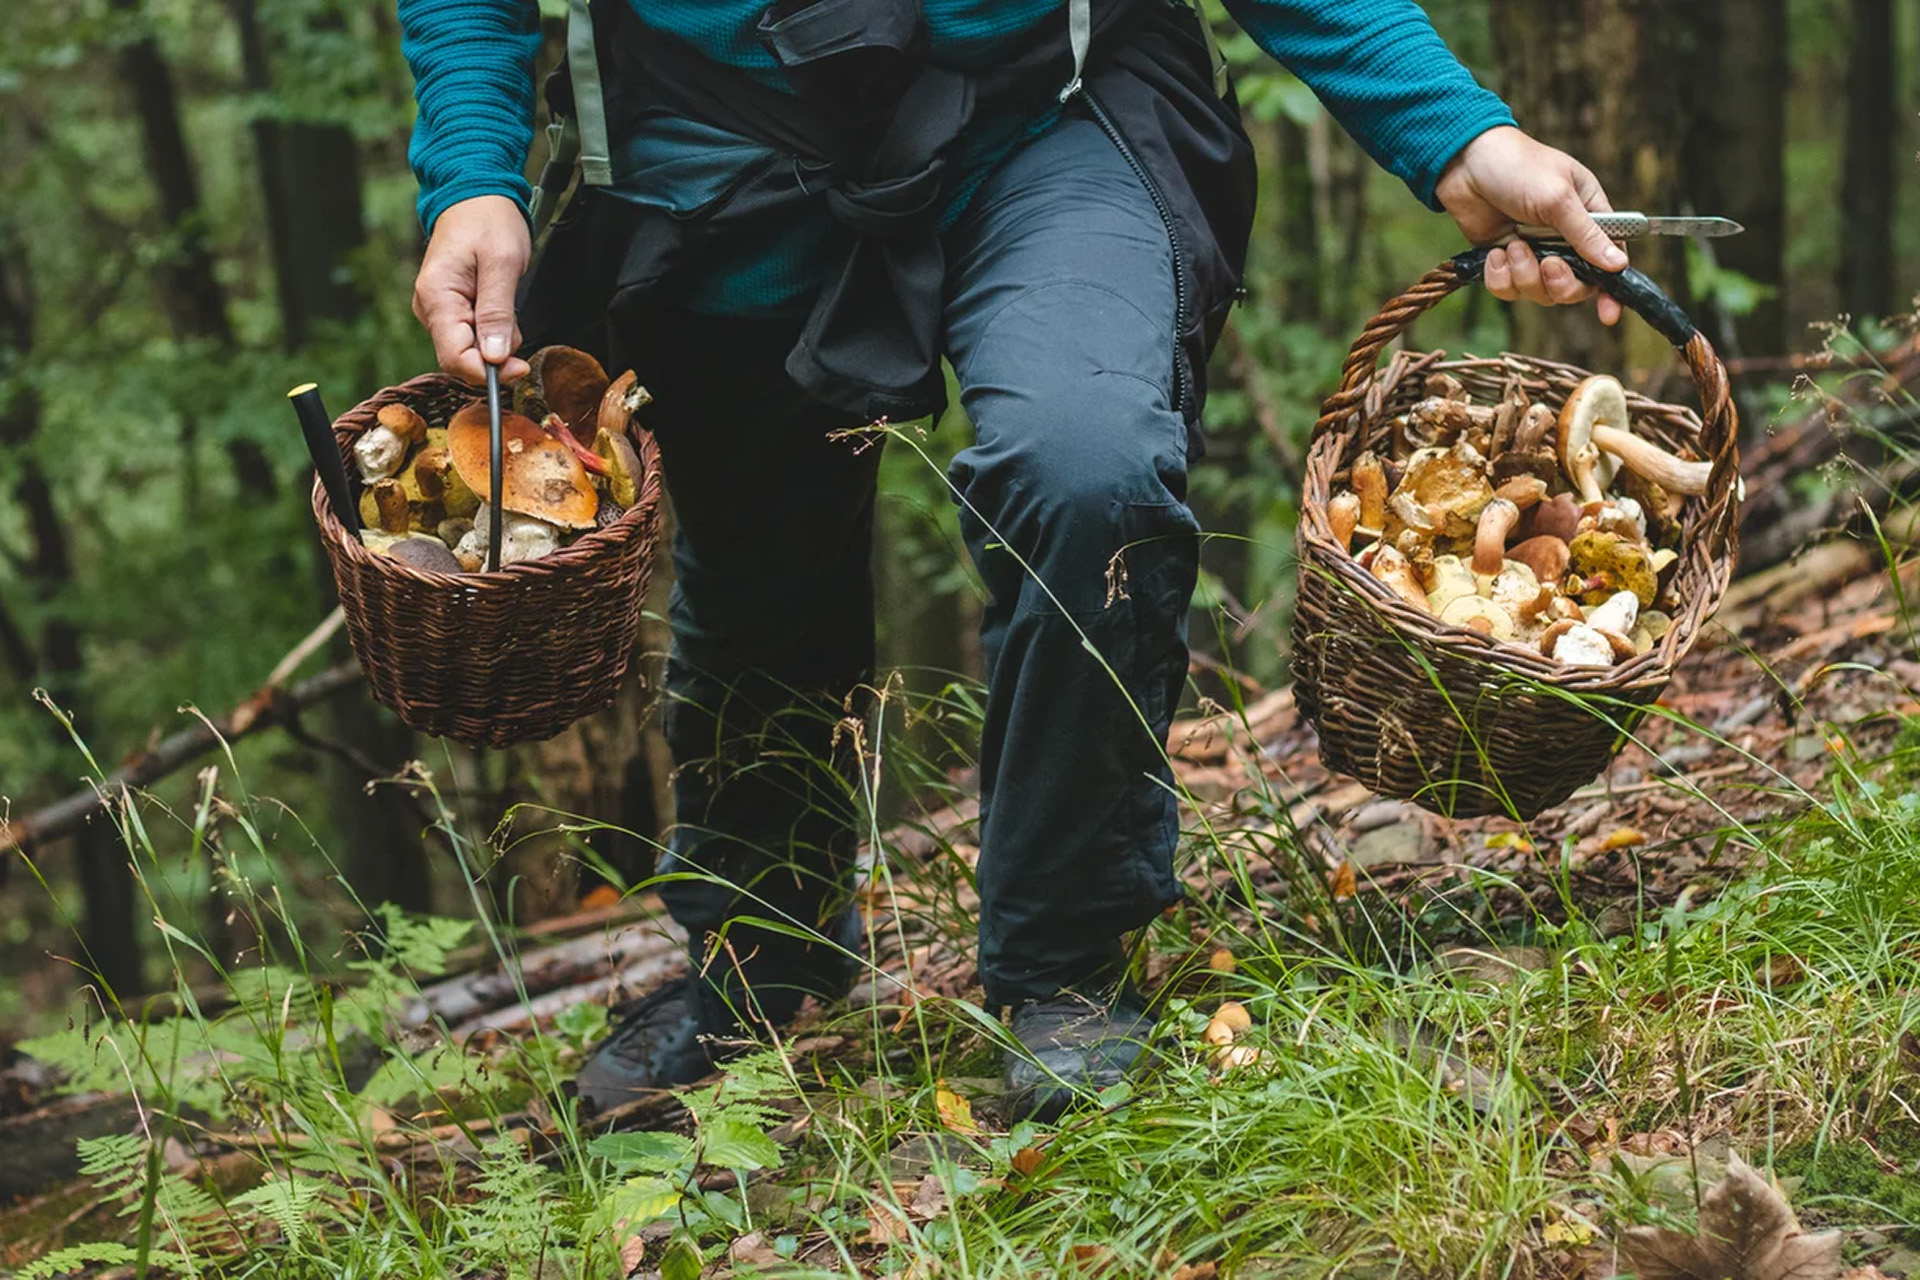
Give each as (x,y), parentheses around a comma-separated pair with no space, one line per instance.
(1445,716)
(491,659)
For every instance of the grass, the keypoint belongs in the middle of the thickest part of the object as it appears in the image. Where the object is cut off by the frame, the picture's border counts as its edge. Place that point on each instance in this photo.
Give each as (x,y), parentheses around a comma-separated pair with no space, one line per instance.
(1405,1116)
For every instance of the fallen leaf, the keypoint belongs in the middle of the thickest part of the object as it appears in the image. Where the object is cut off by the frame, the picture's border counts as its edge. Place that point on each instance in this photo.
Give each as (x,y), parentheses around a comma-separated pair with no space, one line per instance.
(1510,840)
(1622,838)
(1028,1159)
(1345,881)
(1747,1231)
(1096,1258)
(929,1199)
(1571,1233)
(1198,1271)
(1779,971)
(601,895)
(753,1249)
(885,1226)
(632,1250)
(956,1113)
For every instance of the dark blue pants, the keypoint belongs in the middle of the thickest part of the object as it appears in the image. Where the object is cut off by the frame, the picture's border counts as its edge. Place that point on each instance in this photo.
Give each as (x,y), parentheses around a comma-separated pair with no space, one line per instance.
(1060,325)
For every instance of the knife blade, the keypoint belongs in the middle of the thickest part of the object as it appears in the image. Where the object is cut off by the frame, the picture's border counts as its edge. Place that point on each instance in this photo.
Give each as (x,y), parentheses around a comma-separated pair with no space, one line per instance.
(1631,226)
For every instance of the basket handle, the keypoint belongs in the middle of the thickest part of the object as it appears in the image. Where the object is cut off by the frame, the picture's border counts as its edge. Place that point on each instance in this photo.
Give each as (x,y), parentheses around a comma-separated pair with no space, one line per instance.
(1633,289)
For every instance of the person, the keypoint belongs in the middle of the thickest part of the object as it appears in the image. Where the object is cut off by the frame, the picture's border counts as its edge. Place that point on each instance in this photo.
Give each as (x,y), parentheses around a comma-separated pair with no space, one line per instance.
(801,209)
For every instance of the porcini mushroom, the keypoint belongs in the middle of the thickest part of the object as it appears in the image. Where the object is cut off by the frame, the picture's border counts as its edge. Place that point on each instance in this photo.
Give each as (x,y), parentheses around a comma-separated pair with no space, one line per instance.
(378,453)
(1449,580)
(1618,612)
(1557,517)
(623,466)
(1647,459)
(403,422)
(1479,614)
(1581,646)
(384,506)
(543,477)
(1546,555)
(1497,519)
(1396,574)
(1343,513)
(1596,438)
(1606,563)
(1523,491)
(423,551)
(623,400)
(1451,486)
(1370,482)
(570,383)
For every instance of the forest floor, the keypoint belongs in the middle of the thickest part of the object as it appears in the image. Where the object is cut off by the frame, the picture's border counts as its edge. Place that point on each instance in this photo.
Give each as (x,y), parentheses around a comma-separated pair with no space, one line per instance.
(1483,1048)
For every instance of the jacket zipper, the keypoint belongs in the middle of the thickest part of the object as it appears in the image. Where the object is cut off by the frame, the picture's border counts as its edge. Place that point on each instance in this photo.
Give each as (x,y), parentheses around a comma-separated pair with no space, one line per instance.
(1100,116)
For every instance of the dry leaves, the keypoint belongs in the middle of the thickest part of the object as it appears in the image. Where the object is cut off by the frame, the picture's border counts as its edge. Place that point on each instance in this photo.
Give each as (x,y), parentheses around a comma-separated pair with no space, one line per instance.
(1747,1231)
(1345,881)
(752,1249)
(956,1113)
(1028,1159)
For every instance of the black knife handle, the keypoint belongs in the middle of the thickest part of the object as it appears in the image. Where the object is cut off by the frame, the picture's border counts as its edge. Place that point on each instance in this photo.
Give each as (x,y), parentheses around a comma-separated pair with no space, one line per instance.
(317,428)
(1632,288)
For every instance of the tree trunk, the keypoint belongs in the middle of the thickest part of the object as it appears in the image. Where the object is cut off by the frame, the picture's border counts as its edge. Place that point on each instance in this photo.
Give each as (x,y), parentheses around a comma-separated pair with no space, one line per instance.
(311,184)
(1300,274)
(1599,79)
(107,932)
(1866,190)
(1736,151)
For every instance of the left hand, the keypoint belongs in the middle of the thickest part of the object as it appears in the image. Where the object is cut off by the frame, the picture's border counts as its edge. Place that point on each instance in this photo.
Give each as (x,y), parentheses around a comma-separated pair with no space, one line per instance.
(1504,177)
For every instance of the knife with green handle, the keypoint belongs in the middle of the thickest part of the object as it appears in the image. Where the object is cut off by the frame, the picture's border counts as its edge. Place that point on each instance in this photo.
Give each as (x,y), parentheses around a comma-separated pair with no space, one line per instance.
(1631,226)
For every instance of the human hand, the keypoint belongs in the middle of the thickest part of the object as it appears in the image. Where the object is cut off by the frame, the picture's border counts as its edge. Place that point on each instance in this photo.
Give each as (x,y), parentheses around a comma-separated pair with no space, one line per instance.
(464,292)
(1503,177)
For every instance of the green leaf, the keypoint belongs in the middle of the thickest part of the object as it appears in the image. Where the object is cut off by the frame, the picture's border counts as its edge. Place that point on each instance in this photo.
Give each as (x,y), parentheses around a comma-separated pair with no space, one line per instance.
(732,1144)
(638,1201)
(642,1152)
(681,1261)
(582,1022)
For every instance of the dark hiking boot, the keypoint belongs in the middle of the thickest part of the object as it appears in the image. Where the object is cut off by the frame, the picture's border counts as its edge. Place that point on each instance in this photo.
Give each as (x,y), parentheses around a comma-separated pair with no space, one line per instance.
(1071,1047)
(679,1033)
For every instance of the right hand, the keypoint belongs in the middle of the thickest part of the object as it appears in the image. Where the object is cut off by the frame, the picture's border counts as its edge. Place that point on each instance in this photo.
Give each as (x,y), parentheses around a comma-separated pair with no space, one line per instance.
(464,292)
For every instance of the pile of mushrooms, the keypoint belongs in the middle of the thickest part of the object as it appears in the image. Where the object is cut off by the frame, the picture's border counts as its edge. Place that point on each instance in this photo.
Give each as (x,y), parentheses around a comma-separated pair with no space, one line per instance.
(567,452)
(1554,531)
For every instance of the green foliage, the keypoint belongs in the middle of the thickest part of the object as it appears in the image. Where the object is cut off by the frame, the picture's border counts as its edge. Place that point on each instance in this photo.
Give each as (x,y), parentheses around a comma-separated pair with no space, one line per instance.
(75,1258)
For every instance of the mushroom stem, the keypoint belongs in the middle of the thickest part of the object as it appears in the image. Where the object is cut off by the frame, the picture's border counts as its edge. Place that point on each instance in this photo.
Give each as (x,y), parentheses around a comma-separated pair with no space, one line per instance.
(1343,513)
(1370,482)
(1645,458)
(1490,537)
(1394,571)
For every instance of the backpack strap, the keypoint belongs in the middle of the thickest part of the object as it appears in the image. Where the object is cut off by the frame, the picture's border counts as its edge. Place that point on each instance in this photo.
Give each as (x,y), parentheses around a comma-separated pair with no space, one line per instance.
(577,134)
(1079,40)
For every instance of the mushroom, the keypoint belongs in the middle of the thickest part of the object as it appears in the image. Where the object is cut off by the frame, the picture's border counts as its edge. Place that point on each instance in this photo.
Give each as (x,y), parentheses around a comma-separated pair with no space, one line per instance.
(1234,1015)
(1447,420)
(1407,513)
(1449,485)
(1370,482)
(568,383)
(1234,1056)
(1445,386)
(1546,555)
(1557,517)
(522,537)
(403,422)
(1617,613)
(1508,416)
(1497,519)
(378,453)
(423,551)
(1523,491)
(1449,580)
(543,477)
(384,506)
(1218,1033)
(623,400)
(1607,563)
(453,529)
(1520,593)
(1650,630)
(1396,574)
(1343,513)
(1616,515)
(431,479)
(1482,615)
(1596,438)
(1582,646)
(554,425)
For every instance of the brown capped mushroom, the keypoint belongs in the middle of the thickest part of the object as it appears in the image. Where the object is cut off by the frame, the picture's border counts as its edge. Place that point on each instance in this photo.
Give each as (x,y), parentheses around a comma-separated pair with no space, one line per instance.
(1546,555)
(569,383)
(1234,1015)
(1396,574)
(1523,491)
(423,551)
(403,422)
(625,398)
(1343,513)
(384,506)
(543,477)
(1557,517)
(1370,482)
(1599,400)
(1507,417)
(1497,519)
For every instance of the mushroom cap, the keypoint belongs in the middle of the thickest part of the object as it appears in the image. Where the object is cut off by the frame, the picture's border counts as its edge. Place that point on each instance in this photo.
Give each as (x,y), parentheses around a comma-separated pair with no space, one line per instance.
(1545,554)
(569,382)
(424,551)
(1343,513)
(1448,485)
(1369,480)
(1598,401)
(543,479)
(1449,580)
(1581,646)
(1610,563)
(1558,517)
(1478,614)
(378,452)
(1618,612)
(1523,491)
(1517,590)
(402,421)
(1396,574)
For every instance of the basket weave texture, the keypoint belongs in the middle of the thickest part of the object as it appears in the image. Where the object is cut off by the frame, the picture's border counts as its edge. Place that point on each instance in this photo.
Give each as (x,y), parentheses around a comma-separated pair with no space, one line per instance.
(492,659)
(1452,719)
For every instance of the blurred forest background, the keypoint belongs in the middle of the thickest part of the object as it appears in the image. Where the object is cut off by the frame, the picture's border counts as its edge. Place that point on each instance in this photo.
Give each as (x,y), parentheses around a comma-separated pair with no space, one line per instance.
(208,201)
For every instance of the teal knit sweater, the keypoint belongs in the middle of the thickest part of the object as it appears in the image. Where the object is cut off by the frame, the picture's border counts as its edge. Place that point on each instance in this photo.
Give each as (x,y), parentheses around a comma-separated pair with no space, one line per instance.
(1378,65)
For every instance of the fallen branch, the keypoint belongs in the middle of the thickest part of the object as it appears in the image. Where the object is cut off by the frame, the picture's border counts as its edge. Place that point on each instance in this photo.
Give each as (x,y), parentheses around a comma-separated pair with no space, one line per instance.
(271,706)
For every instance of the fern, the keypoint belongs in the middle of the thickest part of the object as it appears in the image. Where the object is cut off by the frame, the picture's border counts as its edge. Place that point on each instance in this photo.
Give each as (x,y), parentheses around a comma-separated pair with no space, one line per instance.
(297,1206)
(512,1208)
(76,1256)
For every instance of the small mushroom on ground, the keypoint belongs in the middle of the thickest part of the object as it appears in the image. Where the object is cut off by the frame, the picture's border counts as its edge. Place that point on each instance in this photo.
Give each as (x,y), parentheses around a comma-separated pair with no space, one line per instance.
(1235,1056)
(1370,483)
(569,383)
(1234,1015)
(1343,514)
(1217,1032)
(1396,574)
(543,477)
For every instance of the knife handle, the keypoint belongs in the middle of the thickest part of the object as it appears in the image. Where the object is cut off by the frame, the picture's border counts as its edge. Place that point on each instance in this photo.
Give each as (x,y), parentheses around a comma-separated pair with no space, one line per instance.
(1616,226)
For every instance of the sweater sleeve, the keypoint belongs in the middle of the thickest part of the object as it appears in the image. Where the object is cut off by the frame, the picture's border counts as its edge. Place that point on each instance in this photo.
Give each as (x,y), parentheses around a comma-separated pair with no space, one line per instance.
(1385,74)
(472,63)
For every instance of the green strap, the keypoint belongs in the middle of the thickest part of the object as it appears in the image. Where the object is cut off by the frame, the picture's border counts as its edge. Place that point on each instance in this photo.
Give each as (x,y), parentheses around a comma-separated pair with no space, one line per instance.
(563,152)
(590,109)
(1219,60)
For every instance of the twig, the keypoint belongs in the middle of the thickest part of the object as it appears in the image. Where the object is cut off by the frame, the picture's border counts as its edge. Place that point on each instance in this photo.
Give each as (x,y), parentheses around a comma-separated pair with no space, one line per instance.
(300,652)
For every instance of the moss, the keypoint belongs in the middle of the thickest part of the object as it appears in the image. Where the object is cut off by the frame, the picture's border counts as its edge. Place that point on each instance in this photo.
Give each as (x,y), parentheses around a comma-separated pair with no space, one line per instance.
(1844,1181)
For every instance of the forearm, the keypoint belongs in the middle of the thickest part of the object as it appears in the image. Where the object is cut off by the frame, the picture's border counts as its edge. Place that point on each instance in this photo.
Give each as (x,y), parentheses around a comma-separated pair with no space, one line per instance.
(472,63)
(1384,73)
